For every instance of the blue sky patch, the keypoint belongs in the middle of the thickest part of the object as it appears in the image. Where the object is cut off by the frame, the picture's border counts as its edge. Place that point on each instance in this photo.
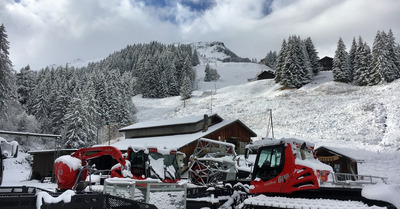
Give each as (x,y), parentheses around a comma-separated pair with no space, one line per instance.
(197,7)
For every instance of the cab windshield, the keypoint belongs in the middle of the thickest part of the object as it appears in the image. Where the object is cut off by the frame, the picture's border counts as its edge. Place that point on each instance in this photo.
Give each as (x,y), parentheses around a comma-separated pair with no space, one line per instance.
(138,163)
(168,161)
(269,162)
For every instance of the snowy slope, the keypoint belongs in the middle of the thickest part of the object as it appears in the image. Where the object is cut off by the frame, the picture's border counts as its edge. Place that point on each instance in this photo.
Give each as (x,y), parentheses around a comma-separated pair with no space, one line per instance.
(364,119)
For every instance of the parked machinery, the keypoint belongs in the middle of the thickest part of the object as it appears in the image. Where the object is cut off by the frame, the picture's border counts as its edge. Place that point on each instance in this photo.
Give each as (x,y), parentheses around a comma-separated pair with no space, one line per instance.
(212,161)
(71,170)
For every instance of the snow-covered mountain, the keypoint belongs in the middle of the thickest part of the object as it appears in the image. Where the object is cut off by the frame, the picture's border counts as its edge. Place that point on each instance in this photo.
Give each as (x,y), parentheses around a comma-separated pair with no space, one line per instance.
(78,63)
(211,52)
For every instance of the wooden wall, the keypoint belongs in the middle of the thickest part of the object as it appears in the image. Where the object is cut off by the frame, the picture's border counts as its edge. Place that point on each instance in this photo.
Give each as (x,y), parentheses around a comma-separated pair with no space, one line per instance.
(233,130)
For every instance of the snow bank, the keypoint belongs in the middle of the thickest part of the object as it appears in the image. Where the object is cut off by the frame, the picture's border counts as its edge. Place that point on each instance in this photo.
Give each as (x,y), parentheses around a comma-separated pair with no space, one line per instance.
(384,192)
(314,164)
(47,198)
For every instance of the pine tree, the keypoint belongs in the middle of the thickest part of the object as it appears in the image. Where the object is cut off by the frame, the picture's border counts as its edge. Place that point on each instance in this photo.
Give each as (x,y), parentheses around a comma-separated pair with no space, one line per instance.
(270,59)
(41,103)
(92,115)
(171,76)
(151,79)
(363,74)
(195,58)
(352,54)
(280,62)
(382,62)
(25,84)
(186,88)
(210,74)
(307,73)
(7,80)
(100,85)
(59,104)
(397,52)
(75,133)
(113,97)
(313,55)
(341,70)
(374,76)
(393,54)
(187,71)
(297,70)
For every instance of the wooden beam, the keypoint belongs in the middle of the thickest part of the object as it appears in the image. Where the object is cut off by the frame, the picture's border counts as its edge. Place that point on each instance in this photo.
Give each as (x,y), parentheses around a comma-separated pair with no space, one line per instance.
(29,134)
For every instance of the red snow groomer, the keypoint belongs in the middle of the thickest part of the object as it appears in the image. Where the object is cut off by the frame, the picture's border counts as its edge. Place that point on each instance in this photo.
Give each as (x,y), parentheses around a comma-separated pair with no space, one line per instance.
(72,170)
(286,166)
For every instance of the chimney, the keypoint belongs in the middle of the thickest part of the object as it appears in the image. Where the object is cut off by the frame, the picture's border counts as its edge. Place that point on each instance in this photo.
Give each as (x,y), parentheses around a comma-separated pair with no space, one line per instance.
(205,123)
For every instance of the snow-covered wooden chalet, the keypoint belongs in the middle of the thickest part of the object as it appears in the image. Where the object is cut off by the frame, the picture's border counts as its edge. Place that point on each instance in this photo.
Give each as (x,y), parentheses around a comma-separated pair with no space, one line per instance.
(326,63)
(340,159)
(266,74)
(182,133)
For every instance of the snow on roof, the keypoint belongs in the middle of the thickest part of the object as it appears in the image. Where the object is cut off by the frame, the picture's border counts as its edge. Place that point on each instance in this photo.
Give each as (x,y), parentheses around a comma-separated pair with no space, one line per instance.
(51,151)
(347,152)
(168,122)
(171,141)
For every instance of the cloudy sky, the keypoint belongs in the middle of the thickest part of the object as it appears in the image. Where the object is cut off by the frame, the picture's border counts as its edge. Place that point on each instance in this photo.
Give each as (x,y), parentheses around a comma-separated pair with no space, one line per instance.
(44,32)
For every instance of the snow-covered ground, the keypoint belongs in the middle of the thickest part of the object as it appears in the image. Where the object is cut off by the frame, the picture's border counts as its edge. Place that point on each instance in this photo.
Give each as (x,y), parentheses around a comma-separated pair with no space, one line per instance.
(364,120)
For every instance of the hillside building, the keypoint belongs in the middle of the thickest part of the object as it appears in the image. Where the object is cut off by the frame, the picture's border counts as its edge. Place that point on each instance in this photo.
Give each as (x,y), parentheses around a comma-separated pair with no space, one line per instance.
(339,159)
(182,133)
(326,63)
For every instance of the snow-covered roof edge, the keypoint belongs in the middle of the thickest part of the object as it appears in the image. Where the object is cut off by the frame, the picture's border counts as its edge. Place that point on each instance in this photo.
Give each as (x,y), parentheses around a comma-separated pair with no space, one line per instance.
(51,150)
(168,122)
(340,151)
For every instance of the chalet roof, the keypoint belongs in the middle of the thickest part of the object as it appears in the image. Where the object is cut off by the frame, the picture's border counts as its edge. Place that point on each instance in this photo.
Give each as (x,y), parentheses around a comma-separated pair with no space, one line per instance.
(326,58)
(174,141)
(349,153)
(51,151)
(270,71)
(168,122)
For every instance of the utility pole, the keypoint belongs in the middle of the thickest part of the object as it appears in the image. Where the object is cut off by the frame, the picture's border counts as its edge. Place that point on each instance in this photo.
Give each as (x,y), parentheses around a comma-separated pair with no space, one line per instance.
(270,125)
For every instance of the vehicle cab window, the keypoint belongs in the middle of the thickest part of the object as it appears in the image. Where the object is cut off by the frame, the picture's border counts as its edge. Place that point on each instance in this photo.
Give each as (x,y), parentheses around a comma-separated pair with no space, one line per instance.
(270,162)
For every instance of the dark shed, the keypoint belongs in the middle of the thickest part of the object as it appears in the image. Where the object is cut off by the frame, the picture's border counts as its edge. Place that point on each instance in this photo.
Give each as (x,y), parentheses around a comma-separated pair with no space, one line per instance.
(326,63)
(43,162)
(265,75)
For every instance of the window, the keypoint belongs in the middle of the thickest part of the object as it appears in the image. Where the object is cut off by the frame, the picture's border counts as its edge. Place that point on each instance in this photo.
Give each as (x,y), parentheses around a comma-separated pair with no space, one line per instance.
(138,161)
(336,167)
(270,162)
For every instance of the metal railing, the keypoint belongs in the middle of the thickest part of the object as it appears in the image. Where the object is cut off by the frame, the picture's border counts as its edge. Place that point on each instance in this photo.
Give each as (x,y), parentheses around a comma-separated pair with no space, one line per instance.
(353,179)
(151,191)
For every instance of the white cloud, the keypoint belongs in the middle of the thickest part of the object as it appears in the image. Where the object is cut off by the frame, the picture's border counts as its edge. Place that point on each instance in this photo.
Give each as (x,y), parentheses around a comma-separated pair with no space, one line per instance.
(43,32)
